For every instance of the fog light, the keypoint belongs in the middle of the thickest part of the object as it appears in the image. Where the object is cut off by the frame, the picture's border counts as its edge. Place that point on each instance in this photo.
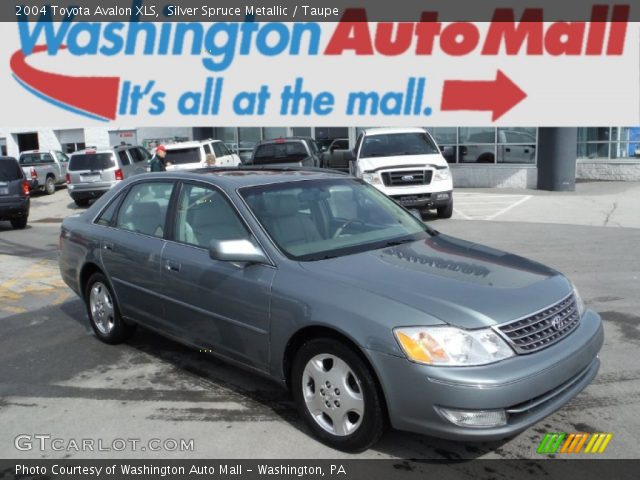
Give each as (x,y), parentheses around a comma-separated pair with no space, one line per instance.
(475,418)
(442,196)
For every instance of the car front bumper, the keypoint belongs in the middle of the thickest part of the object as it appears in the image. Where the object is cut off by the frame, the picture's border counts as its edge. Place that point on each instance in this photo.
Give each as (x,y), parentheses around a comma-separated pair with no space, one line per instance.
(527,387)
(424,200)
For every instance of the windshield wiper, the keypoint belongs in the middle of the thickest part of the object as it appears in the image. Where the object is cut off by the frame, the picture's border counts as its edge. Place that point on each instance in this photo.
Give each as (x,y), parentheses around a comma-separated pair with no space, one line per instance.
(395,243)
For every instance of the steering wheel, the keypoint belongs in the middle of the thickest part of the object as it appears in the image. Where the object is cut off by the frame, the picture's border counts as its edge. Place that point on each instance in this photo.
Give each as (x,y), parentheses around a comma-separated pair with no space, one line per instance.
(344,226)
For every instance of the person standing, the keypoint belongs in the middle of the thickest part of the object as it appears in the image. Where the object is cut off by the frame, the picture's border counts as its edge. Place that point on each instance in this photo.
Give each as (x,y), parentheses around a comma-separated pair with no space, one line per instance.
(158,161)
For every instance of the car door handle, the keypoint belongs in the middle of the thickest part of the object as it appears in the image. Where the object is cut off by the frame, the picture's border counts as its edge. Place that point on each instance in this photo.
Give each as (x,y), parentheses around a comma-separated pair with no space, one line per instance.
(172,266)
(107,246)
(507,149)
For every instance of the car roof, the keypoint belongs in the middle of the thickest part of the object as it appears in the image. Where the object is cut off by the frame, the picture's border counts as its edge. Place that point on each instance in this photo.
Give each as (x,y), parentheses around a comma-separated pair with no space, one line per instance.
(387,131)
(250,176)
(8,159)
(284,139)
(188,143)
(35,151)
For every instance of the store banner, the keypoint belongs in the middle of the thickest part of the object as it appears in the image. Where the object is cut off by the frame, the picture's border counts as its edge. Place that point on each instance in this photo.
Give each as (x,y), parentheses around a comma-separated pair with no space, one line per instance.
(156,64)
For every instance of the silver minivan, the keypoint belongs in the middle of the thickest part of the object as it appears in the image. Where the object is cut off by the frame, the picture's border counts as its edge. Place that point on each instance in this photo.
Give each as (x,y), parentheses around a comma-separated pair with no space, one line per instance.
(92,172)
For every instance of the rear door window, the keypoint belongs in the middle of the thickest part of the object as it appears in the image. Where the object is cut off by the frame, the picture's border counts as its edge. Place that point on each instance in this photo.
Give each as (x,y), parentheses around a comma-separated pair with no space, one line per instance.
(9,170)
(62,158)
(177,156)
(139,154)
(217,149)
(124,158)
(91,161)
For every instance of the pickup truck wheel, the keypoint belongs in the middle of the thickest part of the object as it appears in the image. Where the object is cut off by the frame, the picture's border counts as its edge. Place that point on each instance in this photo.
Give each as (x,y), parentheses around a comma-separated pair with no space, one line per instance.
(103,311)
(337,394)
(82,202)
(446,211)
(19,223)
(50,186)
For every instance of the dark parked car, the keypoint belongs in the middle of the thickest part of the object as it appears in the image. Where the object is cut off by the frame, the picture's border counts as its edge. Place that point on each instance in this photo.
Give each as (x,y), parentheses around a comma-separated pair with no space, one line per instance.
(338,155)
(323,283)
(289,151)
(14,193)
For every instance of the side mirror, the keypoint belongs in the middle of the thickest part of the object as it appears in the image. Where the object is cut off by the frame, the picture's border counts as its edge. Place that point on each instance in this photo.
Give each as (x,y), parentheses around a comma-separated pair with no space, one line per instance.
(238,251)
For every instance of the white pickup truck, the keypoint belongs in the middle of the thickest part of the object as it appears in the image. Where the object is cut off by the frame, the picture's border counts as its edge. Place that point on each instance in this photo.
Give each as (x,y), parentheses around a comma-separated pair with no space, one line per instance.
(44,168)
(406,165)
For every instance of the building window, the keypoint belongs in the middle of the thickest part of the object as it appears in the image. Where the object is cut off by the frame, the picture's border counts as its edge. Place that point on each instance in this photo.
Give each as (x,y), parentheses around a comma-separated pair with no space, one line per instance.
(609,143)
(72,147)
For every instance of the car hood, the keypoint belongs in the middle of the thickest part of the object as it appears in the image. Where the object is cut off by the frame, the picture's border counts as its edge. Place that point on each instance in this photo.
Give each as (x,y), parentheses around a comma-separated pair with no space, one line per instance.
(369,164)
(450,280)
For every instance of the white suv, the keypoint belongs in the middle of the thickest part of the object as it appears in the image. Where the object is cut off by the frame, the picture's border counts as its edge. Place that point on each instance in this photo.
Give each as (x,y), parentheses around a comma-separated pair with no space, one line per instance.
(199,154)
(406,165)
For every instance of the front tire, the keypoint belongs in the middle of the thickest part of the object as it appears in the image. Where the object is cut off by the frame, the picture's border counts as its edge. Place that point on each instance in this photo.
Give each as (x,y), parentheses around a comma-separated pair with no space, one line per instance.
(19,223)
(338,395)
(446,211)
(104,314)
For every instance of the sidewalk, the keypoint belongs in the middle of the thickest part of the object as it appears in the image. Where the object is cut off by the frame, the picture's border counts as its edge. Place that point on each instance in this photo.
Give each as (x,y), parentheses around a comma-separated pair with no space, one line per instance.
(611,204)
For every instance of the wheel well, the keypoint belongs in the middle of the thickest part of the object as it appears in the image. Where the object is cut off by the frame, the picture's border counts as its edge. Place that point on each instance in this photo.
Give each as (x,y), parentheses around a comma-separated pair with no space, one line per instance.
(86,272)
(51,175)
(309,333)
(486,158)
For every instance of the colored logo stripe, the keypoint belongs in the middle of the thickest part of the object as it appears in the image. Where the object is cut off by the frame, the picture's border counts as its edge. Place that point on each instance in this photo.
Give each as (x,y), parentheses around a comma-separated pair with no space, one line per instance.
(597,443)
(551,442)
(95,97)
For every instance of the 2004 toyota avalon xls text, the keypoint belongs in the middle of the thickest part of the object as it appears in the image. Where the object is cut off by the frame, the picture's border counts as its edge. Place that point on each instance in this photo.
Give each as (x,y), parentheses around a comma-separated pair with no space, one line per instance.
(326,285)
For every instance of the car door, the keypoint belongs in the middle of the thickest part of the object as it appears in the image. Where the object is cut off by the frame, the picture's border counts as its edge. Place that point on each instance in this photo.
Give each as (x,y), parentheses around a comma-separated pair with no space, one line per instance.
(224,157)
(62,160)
(131,251)
(214,304)
(140,158)
(126,163)
(338,154)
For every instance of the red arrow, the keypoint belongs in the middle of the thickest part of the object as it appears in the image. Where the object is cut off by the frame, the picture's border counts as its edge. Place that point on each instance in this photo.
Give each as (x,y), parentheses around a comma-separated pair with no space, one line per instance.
(498,96)
(97,96)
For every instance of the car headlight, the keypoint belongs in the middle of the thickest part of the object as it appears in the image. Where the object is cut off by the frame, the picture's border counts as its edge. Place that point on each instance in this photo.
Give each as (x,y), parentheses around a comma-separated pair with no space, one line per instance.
(450,346)
(442,173)
(579,301)
(372,178)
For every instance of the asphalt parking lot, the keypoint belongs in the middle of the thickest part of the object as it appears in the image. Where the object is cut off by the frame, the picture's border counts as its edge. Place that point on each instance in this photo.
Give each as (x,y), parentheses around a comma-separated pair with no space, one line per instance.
(56,378)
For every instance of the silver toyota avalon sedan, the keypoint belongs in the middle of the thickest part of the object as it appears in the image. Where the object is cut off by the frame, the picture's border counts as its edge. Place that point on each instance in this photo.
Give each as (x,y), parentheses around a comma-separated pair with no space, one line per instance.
(320,282)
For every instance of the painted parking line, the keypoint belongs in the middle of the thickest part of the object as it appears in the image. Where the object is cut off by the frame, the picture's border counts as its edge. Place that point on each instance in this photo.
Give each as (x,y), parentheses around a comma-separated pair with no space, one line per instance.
(485,206)
(27,284)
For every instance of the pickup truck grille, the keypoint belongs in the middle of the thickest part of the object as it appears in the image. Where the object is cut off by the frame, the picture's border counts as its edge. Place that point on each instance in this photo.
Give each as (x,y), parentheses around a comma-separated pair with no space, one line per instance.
(405,178)
(538,331)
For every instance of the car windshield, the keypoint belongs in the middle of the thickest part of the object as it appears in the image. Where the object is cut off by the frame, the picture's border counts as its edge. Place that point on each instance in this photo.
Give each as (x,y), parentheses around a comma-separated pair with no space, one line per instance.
(9,170)
(91,161)
(281,152)
(319,219)
(178,156)
(397,144)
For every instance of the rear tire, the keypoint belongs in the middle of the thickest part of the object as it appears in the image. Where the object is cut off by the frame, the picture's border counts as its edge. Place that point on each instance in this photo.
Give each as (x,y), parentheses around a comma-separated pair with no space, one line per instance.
(446,211)
(337,395)
(82,202)
(50,186)
(103,311)
(19,223)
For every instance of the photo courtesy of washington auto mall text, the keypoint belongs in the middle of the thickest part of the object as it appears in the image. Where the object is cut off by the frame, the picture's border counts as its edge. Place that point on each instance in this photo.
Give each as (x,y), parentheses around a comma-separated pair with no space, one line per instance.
(338,239)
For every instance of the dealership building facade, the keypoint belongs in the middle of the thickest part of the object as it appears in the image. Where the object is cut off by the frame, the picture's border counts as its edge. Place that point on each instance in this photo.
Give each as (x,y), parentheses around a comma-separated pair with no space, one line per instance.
(510,157)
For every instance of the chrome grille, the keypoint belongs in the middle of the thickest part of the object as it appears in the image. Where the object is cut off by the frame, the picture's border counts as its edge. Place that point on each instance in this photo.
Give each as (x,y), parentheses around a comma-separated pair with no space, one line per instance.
(538,331)
(407,178)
